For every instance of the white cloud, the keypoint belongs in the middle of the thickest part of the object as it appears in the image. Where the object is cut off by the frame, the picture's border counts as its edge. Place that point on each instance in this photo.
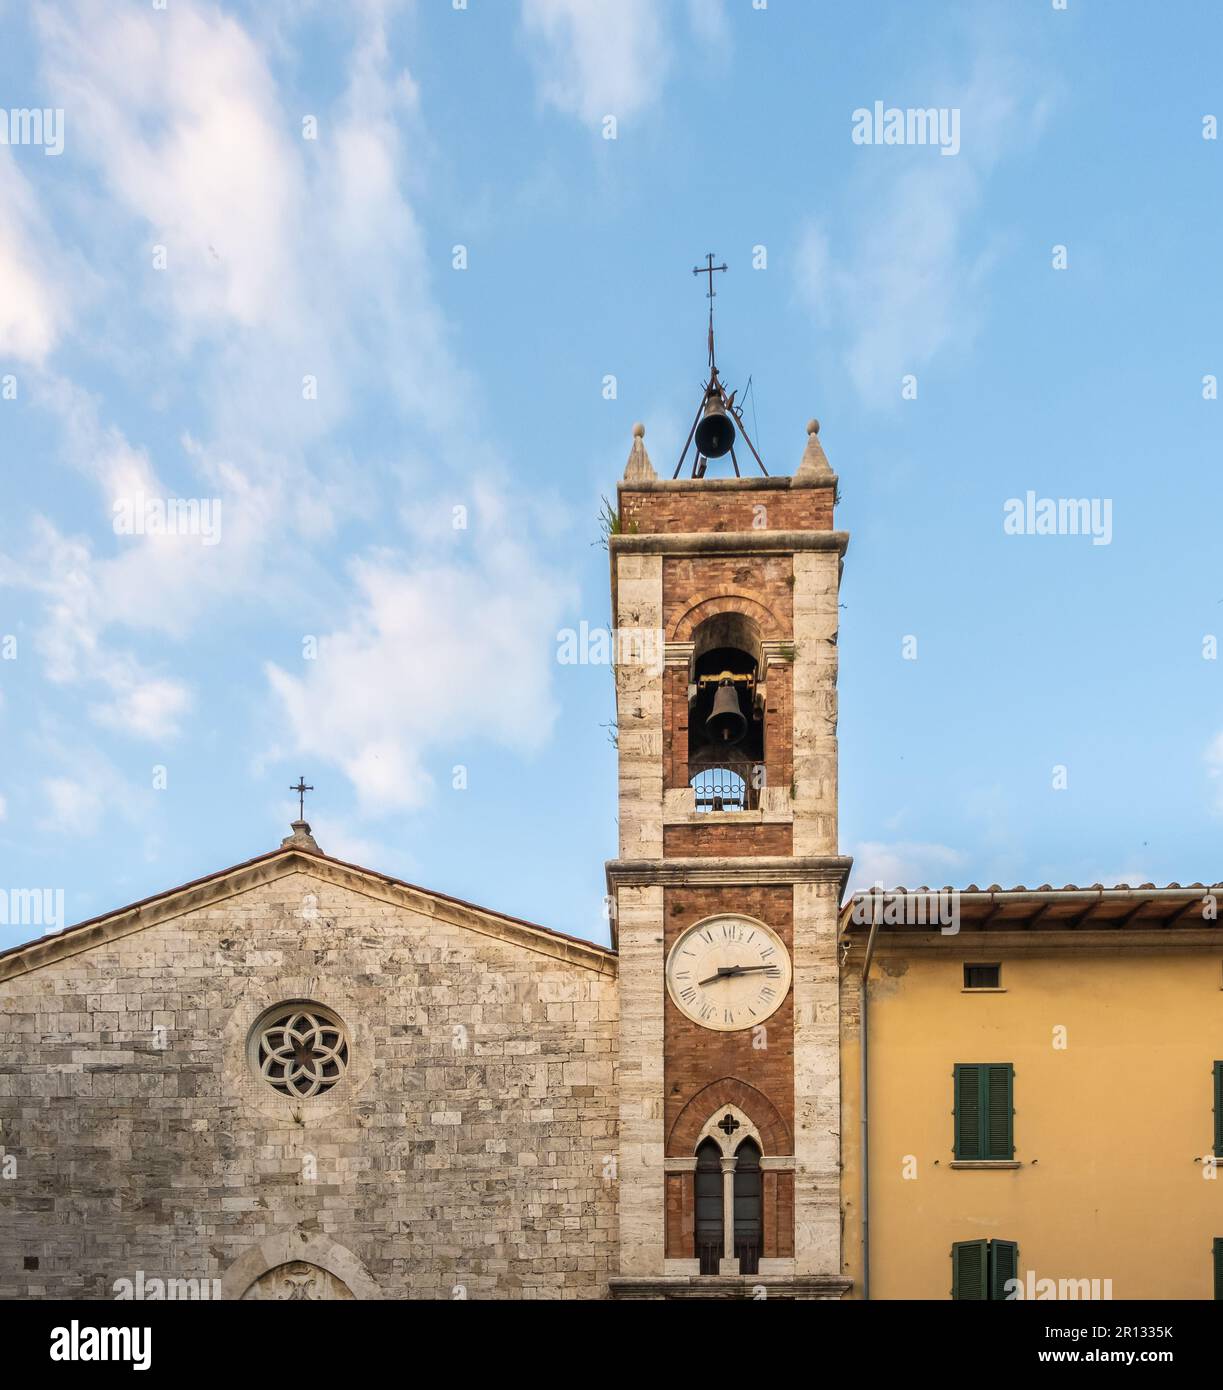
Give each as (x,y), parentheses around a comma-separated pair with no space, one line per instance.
(147,706)
(32,309)
(435,655)
(710,23)
(289,257)
(157,583)
(905,864)
(177,109)
(74,807)
(337,839)
(597,57)
(904,281)
(286,257)
(3,808)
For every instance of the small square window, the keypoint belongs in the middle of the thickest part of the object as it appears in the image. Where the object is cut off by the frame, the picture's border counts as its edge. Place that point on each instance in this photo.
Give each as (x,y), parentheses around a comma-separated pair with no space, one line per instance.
(982,977)
(30,1262)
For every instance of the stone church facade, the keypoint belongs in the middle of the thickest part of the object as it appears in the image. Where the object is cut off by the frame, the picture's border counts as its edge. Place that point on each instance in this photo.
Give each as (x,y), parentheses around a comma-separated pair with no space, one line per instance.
(300,1079)
(465,1148)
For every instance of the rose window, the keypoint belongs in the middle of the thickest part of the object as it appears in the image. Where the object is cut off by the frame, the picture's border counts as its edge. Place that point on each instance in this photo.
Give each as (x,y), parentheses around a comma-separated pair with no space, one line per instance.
(301,1051)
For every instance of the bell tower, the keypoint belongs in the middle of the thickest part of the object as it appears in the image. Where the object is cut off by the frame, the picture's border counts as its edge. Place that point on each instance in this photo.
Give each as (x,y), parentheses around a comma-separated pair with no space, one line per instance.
(727,884)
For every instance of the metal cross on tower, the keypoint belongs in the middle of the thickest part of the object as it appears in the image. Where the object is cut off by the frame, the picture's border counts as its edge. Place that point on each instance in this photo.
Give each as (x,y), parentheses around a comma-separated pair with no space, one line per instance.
(301,789)
(711,294)
(719,421)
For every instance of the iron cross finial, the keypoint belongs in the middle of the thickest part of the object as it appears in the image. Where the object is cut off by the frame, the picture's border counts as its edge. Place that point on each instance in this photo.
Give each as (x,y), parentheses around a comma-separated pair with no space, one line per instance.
(301,789)
(708,269)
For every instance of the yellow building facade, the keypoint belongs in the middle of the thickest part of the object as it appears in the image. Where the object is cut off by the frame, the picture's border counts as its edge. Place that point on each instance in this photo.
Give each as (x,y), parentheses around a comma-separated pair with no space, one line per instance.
(1095,1018)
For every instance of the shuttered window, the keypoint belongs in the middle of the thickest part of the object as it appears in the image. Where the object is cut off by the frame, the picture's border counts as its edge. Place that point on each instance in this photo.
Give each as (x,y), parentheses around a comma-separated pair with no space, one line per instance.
(1219,1109)
(980,1268)
(984,1110)
(970,1269)
(1003,1266)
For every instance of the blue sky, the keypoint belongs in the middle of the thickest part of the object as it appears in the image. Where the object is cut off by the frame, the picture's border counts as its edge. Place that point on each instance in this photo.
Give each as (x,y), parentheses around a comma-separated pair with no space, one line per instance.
(135,373)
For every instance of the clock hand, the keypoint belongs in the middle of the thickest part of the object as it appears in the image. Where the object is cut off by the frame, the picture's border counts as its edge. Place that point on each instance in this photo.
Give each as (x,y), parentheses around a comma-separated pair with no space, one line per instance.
(726,972)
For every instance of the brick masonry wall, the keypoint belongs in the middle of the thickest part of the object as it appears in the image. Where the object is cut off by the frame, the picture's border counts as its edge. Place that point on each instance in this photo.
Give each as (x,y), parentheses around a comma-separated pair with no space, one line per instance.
(765,579)
(681,1215)
(779,726)
(778,1205)
(697,1056)
(679,511)
(472,1142)
(715,841)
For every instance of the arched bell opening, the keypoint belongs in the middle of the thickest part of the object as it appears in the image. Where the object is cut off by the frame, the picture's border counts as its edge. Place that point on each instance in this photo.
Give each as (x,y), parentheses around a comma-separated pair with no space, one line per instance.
(725,724)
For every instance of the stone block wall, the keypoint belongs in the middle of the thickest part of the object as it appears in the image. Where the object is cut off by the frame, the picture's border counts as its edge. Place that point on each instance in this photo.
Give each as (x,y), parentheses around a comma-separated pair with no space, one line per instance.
(469,1151)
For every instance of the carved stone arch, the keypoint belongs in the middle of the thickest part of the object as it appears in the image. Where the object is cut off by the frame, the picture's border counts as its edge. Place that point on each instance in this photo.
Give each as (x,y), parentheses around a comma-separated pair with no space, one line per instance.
(300,1248)
(690,1123)
(728,1143)
(728,601)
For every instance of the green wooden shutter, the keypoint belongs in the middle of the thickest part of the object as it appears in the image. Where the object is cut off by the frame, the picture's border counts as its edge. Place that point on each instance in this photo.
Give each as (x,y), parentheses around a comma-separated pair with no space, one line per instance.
(999,1111)
(969,1132)
(970,1269)
(1219,1109)
(1218,1254)
(1003,1265)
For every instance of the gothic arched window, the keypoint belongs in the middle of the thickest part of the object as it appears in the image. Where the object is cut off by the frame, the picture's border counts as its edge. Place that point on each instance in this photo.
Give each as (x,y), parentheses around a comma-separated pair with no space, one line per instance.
(749,1192)
(710,1226)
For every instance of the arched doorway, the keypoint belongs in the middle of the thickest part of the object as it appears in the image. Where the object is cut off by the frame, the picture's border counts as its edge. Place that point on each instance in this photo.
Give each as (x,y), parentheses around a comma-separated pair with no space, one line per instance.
(298,1266)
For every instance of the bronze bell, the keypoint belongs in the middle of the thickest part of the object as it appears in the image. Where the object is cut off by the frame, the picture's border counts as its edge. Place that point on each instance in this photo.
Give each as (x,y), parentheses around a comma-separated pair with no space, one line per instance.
(726,723)
(715,434)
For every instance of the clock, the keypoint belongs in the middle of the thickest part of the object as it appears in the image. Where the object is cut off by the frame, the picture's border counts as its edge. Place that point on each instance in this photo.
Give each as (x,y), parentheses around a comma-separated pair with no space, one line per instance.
(728,972)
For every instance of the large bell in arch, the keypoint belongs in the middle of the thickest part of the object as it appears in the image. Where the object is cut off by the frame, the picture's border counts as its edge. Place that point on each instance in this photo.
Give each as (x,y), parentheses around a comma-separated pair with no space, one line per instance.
(715,434)
(726,724)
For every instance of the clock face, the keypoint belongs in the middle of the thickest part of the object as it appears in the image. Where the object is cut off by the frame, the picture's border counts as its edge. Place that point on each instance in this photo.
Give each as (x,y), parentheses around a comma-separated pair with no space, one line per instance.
(728,972)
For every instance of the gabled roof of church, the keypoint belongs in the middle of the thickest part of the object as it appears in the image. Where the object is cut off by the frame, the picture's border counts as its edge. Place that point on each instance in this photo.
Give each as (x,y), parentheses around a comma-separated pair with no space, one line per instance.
(299,853)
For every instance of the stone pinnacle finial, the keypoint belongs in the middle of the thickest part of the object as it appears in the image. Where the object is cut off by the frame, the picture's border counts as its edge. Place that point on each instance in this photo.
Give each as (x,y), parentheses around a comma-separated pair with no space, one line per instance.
(639,469)
(814,466)
(301,838)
